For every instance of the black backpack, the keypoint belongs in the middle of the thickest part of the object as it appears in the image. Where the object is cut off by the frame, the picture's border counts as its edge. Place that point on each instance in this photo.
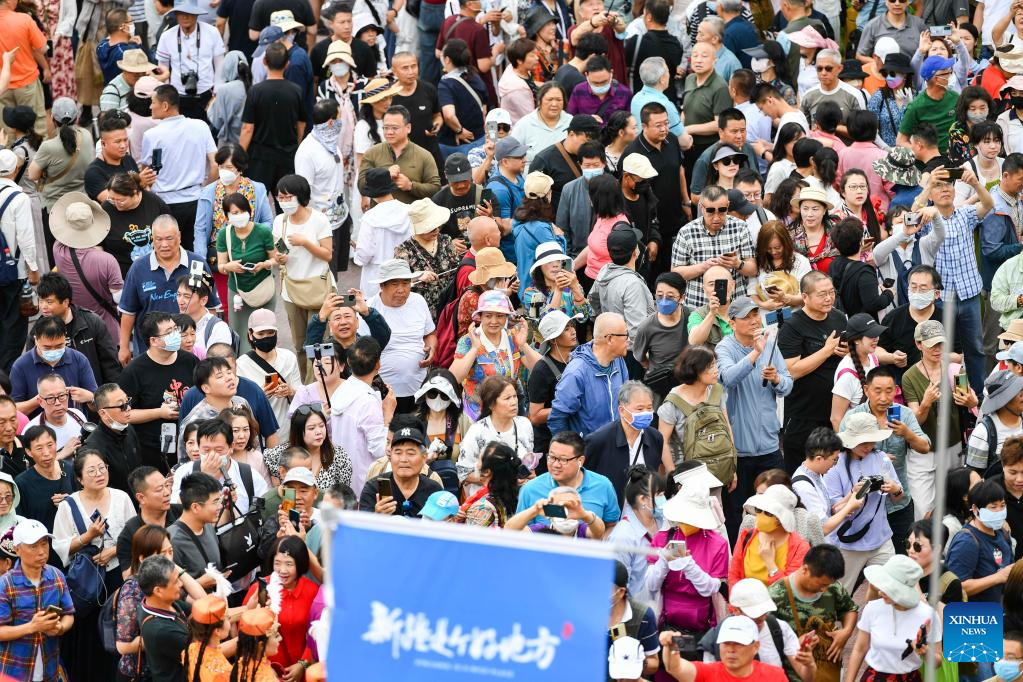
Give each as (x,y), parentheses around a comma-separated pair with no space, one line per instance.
(8,260)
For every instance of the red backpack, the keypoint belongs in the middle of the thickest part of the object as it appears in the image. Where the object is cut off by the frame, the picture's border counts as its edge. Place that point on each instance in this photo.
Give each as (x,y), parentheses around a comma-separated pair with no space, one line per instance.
(447,332)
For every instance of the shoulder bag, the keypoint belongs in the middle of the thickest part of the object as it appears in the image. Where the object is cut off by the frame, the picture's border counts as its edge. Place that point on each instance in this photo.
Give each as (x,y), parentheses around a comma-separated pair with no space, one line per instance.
(103,303)
(259,295)
(309,292)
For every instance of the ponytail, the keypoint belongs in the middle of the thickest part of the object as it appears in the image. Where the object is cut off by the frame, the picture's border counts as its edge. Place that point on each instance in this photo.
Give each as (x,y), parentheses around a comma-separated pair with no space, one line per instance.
(68,137)
(461,57)
(858,366)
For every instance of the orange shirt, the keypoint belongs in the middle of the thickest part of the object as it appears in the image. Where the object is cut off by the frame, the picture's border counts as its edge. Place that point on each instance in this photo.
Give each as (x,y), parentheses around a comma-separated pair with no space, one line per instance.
(20,31)
(214,667)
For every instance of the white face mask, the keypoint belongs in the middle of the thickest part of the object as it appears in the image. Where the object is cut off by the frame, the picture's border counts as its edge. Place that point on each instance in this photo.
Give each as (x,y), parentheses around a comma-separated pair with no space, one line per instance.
(228,176)
(565,526)
(131,29)
(238,219)
(339,69)
(921,300)
(760,65)
(289,207)
(438,404)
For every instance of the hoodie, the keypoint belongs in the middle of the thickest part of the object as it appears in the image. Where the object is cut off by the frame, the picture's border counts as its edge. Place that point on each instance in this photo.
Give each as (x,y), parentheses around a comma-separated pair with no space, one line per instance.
(108,55)
(357,421)
(584,376)
(857,287)
(384,227)
(620,289)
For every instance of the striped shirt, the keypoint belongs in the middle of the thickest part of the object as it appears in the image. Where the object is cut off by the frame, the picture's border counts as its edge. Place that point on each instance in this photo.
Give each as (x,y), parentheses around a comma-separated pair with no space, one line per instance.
(694,244)
(956,260)
(19,600)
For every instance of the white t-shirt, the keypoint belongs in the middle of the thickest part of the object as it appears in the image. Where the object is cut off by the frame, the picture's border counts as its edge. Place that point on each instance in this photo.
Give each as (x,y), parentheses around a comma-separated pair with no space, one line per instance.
(793,117)
(993,11)
(768,653)
(286,365)
(889,629)
(362,139)
(69,430)
(302,264)
(779,170)
(399,361)
(800,266)
(220,332)
(259,486)
(847,384)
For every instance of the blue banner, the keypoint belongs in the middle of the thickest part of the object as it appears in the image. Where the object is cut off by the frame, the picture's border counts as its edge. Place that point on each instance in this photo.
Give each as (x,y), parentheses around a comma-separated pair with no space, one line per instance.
(434,601)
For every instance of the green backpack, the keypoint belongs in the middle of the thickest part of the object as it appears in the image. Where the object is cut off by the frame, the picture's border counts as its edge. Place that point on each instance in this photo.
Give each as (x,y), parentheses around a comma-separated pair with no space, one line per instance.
(705,435)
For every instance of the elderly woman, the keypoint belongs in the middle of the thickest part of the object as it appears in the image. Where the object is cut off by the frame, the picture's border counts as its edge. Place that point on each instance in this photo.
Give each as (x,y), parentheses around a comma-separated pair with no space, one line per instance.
(211,215)
(773,549)
(498,495)
(309,429)
(491,348)
(429,252)
(498,422)
(545,126)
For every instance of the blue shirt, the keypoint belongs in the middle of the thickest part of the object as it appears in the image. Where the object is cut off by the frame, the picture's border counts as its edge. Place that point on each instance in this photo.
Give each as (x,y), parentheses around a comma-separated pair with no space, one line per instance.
(973,554)
(525,238)
(740,34)
(300,72)
(726,64)
(956,260)
(872,515)
(648,95)
(252,393)
(756,432)
(509,195)
(596,491)
(148,288)
(73,367)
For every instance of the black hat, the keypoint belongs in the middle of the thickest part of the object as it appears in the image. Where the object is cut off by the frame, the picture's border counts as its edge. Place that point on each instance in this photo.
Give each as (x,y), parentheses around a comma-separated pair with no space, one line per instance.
(622,241)
(897,63)
(378,183)
(738,202)
(583,123)
(852,69)
(536,20)
(457,168)
(408,433)
(862,324)
(20,117)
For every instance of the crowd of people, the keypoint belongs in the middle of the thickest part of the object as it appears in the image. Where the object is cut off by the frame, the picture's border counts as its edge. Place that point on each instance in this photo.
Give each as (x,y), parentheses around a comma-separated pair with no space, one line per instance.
(666,275)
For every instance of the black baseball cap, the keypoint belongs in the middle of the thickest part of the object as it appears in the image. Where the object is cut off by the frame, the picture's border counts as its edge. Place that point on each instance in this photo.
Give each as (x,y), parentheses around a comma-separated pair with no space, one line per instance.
(407,433)
(457,168)
(583,123)
(622,241)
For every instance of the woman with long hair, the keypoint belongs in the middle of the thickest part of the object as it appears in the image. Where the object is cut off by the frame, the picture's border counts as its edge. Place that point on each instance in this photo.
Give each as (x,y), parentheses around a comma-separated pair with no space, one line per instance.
(617,134)
(463,114)
(21,120)
(439,408)
(233,82)
(783,164)
(772,68)
(258,640)
(245,447)
(863,152)
(859,204)
(958,484)
(310,430)
(850,380)
(727,162)
(810,231)
(973,107)
(608,210)
(1012,599)
(987,141)
(498,497)
(811,44)
(781,202)
(498,422)
(780,268)
(203,659)
(824,163)
(642,518)
(246,255)
(890,100)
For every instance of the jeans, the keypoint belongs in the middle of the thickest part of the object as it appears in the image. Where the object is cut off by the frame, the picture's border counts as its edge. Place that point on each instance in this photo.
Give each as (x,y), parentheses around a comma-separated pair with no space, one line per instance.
(431,18)
(747,470)
(447,150)
(968,332)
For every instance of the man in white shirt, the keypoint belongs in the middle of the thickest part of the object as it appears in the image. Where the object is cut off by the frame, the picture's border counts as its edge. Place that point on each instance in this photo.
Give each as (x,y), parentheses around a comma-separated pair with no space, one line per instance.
(193,295)
(273,368)
(770,101)
(18,233)
(186,157)
(194,52)
(319,162)
(65,421)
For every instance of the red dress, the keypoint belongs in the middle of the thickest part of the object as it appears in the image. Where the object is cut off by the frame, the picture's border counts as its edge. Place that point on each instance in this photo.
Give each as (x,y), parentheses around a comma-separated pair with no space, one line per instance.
(296,605)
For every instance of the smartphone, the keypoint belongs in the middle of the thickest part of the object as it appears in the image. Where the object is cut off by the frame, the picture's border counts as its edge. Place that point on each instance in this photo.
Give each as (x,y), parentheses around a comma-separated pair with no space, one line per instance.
(939,31)
(379,386)
(772,289)
(157,162)
(248,267)
(53,608)
(271,382)
(347,301)
(384,488)
(888,282)
(288,501)
(296,518)
(487,197)
(492,130)
(892,413)
(955,174)
(962,382)
(721,290)
(617,631)
(196,269)
(677,546)
(554,511)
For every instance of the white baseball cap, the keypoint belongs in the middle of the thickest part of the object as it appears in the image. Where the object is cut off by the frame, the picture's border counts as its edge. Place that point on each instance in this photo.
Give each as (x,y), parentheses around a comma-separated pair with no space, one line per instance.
(625,659)
(885,46)
(738,629)
(637,164)
(29,532)
(750,596)
(300,475)
(8,162)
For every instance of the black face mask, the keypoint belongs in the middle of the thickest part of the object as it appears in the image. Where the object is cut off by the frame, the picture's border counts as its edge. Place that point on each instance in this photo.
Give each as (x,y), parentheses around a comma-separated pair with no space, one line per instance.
(642,186)
(264,345)
(1017,102)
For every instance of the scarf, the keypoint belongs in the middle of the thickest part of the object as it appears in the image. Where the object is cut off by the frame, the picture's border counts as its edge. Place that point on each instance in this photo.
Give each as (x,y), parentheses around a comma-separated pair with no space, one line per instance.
(246,188)
(327,135)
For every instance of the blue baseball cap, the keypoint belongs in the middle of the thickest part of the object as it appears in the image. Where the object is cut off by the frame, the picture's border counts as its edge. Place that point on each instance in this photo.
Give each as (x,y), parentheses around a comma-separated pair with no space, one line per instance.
(934,64)
(270,34)
(440,506)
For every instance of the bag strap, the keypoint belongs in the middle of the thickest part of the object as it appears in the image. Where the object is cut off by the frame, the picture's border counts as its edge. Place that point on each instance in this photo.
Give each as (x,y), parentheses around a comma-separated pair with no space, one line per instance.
(76,514)
(568,159)
(475,95)
(246,474)
(3,209)
(792,605)
(194,539)
(776,637)
(454,25)
(551,366)
(103,303)
(992,436)
(263,364)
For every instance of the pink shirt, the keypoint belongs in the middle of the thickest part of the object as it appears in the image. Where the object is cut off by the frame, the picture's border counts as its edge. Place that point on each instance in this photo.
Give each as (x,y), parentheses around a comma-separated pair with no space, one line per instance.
(862,155)
(103,273)
(598,256)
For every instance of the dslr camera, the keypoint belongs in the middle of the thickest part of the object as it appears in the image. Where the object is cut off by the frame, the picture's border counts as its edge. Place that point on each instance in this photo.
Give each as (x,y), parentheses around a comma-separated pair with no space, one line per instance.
(872,484)
(318,351)
(190,81)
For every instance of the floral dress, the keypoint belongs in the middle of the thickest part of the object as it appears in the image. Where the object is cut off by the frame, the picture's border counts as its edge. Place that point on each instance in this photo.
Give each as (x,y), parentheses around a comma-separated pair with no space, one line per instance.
(62,57)
(130,596)
(443,260)
(823,252)
(339,471)
(504,359)
(889,113)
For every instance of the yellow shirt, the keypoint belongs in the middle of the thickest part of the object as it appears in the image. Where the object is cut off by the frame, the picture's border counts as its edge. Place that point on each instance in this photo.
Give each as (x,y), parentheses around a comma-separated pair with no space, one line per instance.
(754,566)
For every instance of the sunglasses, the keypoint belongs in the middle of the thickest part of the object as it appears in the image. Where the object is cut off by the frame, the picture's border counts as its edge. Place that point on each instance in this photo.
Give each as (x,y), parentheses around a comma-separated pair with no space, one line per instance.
(825,68)
(306,410)
(710,210)
(434,394)
(731,161)
(915,546)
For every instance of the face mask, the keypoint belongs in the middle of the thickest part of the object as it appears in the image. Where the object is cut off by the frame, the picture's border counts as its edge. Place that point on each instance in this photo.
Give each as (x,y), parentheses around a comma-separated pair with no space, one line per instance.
(760,65)
(52,356)
(117,426)
(565,526)
(666,306)
(228,177)
(641,420)
(688,530)
(921,301)
(992,519)
(339,70)
(265,344)
(590,173)
(976,117)
(238,219)
(172,342)
(327,134)
(1007,670)
(601,90)
(894,82)
(660,501)
(289,207)
(642,186)
(131,29)
(438,404)
(766,524)
(1017,102)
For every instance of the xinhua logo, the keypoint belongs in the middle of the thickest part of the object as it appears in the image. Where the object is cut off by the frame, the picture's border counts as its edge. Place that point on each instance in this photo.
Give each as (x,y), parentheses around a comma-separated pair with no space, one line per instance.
(972,631)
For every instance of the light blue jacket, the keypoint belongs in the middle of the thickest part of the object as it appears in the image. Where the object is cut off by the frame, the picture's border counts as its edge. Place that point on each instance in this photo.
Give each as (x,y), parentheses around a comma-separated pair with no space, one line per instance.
(528,236)
(756,432)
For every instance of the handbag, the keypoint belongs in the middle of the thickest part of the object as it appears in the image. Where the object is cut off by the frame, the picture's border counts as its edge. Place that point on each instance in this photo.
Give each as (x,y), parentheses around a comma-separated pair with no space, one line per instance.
(259,295)
(84,578)
(310,292)
(238,534)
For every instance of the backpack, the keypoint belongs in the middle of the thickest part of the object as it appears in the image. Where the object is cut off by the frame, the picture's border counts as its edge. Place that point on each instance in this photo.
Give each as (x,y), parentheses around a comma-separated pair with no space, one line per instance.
(994,461)
(450,291)
(237,533)
(8,260)
(706,436)
(84,577)
(108,623)
(447,333)
(236,340)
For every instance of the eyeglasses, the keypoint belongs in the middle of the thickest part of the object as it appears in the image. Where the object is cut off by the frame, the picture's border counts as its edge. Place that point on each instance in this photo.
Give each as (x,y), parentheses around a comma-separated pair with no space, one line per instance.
(97,470)
(619,335)
(54,399)
(710,210)
(6,499)
(825,294)
(560,461)
(899,2)
(751,196)
(825,68)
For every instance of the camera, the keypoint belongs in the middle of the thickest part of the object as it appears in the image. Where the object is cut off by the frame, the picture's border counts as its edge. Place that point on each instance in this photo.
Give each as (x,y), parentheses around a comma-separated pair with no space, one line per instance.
(872,485)
(190,81)
(318,351)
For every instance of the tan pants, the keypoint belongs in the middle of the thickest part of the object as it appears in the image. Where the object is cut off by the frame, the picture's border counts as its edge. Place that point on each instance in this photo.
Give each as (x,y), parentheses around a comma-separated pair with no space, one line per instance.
(298,320)
(30,95)
(855,562)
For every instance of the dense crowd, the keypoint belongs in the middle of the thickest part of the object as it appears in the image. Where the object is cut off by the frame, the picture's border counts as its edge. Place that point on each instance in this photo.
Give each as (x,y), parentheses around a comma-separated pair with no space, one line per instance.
(667,275)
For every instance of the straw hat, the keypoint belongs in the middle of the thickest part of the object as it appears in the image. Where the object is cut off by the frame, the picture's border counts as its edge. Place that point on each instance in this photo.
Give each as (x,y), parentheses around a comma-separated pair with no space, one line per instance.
(135,61)
(378,89)
(812,194)
(490,263)
(427,216)
(79,222)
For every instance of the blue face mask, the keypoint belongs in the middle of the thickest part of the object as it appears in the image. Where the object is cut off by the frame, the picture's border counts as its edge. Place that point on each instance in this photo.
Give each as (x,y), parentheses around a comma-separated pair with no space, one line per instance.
(641,420)
(992,519)
(172,341)
(52,356)
(894,82)
(1007,670)
(602,90)
(666,306)
(590,173)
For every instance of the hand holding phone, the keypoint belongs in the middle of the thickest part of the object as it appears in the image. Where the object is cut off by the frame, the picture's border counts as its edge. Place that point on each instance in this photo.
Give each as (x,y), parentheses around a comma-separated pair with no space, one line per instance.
(554,511)
(384,488)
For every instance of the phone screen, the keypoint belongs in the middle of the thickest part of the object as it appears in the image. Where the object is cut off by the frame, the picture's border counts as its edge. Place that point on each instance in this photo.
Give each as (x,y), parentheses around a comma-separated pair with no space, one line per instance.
(721,290)
(554,511)
(295,517)
(384,488)
(487,196)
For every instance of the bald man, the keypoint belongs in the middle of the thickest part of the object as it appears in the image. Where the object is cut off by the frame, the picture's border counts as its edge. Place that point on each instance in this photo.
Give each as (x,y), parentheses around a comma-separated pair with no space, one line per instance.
(706,96)
(709,323)
(483,232)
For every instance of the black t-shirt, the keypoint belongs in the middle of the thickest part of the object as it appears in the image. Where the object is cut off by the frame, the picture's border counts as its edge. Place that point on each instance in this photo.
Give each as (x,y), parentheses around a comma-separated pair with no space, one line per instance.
(36,491)
(259,18)
(238,13)
(654,43)
(540,390)
(463,209)
(131,232)
(667,161)
(802,336)
(550,161)
(641,216)
(422,105)
(275,107)
(148,383)
(99,172)
(426,487)
(1014,512)
(568,77)
(899,336)
(128,532)
(164,640)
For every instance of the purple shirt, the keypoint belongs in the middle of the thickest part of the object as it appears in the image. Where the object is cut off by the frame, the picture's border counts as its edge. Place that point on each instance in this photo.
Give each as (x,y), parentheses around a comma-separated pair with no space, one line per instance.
(583,101)
(104,275)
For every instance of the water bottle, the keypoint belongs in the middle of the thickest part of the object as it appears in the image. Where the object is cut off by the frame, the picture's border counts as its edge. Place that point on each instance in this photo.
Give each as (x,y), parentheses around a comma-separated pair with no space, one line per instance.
(237,302)
(29,304)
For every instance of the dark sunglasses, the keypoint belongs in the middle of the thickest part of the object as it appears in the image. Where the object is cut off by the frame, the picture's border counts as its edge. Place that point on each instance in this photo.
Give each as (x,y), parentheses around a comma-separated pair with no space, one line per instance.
(915,546)
(435,394)
(306,410)
(825,68)
(731,161)
(710,210)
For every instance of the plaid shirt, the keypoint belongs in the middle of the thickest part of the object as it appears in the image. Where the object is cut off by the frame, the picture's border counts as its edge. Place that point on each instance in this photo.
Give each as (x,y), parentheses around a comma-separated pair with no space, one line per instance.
(694,244)
(19,600)
(956,260)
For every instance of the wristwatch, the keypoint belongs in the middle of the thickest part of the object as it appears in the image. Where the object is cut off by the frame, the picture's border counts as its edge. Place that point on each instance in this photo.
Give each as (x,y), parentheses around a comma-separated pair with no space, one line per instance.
(772,573)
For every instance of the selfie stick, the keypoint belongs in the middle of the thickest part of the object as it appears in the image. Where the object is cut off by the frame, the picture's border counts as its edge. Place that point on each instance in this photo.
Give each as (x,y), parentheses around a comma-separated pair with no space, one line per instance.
(770,354)
(318,363)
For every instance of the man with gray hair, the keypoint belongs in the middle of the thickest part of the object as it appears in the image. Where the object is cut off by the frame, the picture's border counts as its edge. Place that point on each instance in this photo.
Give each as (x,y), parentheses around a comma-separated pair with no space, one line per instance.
(164,626)
(655,77)
(740,34)
(655,42)
(613,449)
(712,32)
(830,89)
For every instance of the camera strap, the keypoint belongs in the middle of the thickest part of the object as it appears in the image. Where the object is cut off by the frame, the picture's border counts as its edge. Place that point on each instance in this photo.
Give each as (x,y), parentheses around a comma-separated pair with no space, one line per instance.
(198,46)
